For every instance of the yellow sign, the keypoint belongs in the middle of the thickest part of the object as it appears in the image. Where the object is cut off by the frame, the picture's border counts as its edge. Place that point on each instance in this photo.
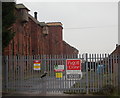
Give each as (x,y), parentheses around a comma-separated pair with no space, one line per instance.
(37,65)
(59,75)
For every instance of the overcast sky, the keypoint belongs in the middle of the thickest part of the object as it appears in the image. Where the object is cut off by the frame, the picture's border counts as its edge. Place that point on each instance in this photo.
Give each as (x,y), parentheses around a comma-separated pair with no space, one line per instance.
(90,27)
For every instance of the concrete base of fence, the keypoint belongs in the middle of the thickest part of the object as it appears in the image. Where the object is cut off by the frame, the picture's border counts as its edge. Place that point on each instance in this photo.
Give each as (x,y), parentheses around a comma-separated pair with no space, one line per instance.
(49,94)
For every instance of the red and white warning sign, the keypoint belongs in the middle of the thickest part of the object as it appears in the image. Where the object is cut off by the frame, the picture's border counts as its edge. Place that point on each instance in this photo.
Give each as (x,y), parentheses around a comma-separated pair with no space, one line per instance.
(37,65)
(73,68)
(73,65)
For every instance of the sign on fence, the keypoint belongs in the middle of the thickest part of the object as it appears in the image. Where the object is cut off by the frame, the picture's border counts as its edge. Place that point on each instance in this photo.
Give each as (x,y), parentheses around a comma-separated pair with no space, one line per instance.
(58,68)
(59,75)
(37,65)
(73,69)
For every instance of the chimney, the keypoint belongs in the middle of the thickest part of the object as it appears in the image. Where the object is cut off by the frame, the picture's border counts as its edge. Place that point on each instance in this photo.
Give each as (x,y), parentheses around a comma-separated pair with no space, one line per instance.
(35,15)
(117,45)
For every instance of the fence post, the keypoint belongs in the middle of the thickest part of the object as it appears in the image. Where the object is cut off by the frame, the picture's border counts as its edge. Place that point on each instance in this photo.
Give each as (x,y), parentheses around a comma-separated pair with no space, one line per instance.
(43,68)
(118,47)
(5,73)
(118,73)
(87,83)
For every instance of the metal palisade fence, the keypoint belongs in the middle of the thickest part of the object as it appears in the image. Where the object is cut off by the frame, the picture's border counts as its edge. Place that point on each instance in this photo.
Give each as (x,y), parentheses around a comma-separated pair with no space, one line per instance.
(47,74)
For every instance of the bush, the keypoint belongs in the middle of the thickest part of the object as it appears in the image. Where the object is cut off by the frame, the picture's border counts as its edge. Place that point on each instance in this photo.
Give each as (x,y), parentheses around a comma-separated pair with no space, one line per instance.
(107,90)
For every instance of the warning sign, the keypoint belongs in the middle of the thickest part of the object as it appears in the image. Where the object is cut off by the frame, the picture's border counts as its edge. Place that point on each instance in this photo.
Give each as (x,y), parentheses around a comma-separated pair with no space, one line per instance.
(37,65)
(58,68)
(59,75)
(73,69)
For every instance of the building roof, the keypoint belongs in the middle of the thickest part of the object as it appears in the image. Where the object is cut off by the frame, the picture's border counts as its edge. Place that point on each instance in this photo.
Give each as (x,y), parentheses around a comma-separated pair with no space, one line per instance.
(21,6)
(36,21)
(54,24)
(117,50)
(65,43)
(42,24)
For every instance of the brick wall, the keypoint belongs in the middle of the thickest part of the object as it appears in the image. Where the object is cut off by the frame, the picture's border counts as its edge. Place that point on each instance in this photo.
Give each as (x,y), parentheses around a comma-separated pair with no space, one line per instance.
(115,61)
(55,40)
(30,39)
(67,49)
(117,50)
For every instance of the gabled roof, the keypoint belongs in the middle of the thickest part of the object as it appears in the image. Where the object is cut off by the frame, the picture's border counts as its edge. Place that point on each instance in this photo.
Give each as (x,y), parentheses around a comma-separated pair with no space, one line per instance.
(65,43)
(117,50)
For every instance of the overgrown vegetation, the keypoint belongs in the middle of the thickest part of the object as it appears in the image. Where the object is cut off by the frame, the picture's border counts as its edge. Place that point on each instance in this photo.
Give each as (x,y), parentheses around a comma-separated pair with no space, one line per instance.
(106,87)
(8,18)
(108,90)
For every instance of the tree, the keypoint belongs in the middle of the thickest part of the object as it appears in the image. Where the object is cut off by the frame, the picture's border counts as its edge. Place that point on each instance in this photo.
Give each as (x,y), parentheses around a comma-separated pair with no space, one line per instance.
(8,18)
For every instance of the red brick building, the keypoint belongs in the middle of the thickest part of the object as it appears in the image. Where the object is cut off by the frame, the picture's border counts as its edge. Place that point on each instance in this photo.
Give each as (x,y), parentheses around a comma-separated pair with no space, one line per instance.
(67,49)
(33,37)
(115,58)
(116,51)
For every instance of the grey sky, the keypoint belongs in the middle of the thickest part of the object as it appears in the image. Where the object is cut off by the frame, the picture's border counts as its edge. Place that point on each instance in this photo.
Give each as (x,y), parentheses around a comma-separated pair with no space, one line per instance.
(88,26)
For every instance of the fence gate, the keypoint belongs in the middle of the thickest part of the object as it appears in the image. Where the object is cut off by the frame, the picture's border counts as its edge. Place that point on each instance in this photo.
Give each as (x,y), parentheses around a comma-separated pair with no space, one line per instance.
(22,74)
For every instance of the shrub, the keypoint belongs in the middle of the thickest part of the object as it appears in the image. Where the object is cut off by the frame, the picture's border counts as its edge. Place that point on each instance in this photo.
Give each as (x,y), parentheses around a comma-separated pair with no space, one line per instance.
(107,90)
